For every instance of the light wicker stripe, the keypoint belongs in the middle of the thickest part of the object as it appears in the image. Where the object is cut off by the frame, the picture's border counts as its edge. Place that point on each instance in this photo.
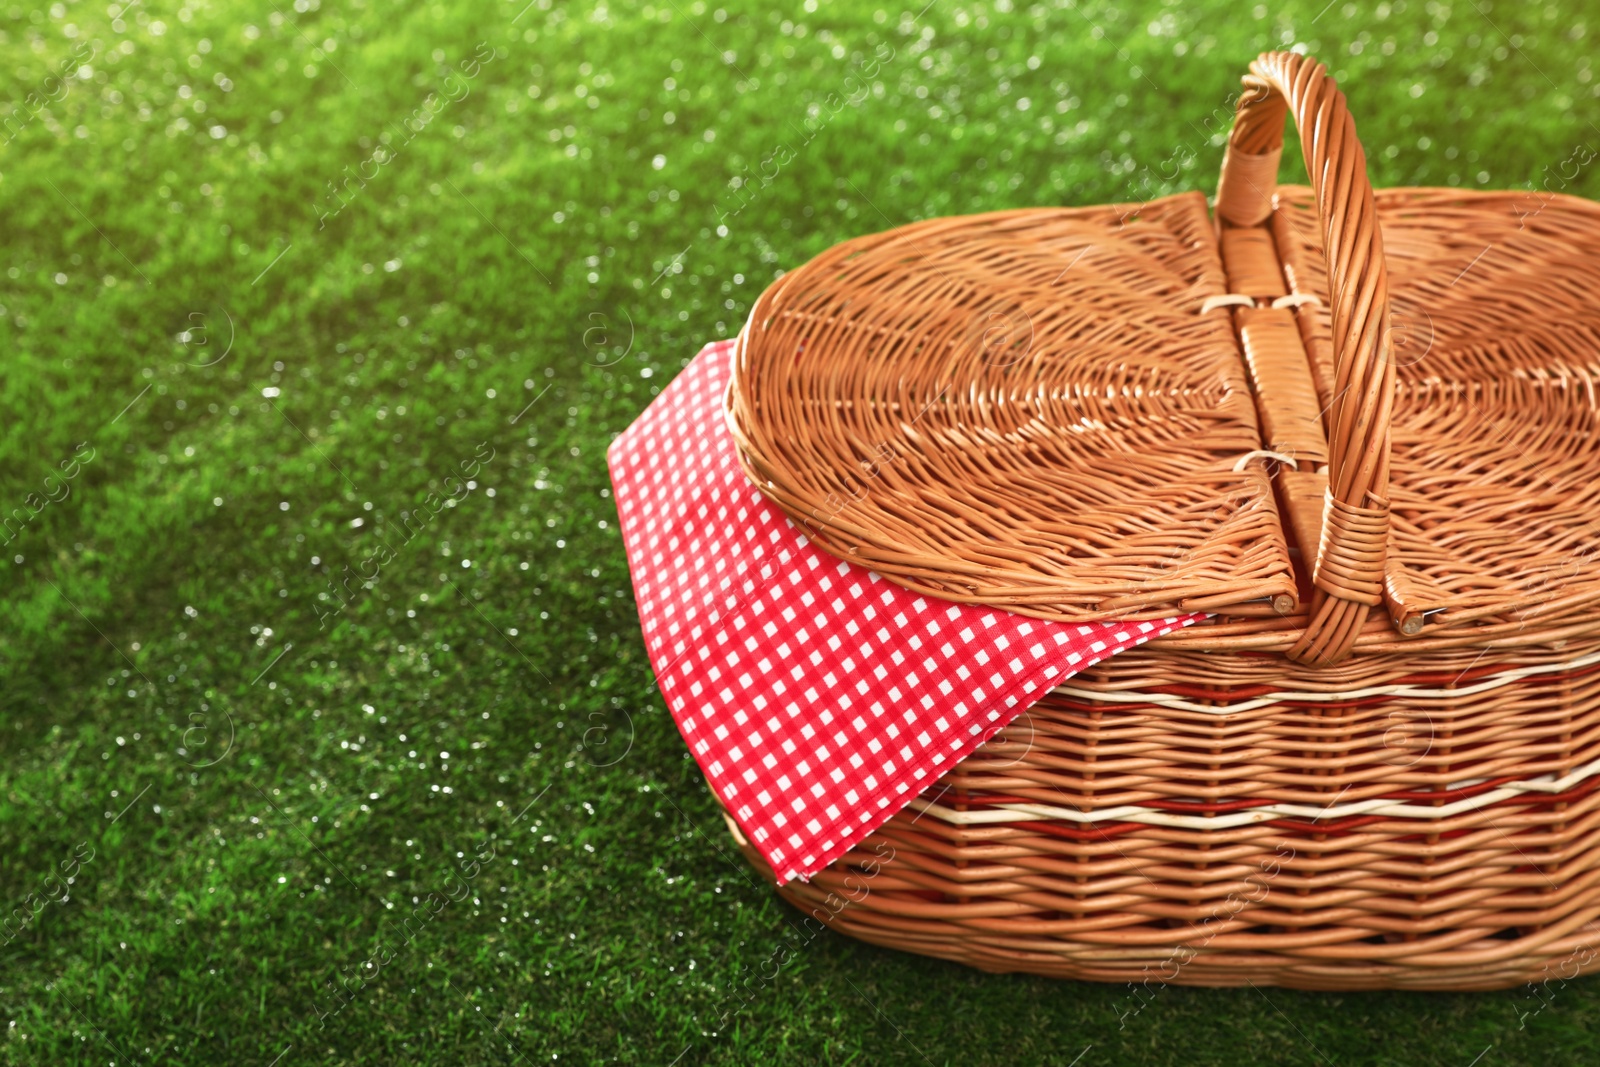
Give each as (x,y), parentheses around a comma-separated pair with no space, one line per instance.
(1010,813)
(1412,692)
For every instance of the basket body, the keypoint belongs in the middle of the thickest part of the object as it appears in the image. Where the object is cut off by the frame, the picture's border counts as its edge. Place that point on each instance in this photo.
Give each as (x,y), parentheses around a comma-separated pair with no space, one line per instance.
(1130,828)
(1222,416)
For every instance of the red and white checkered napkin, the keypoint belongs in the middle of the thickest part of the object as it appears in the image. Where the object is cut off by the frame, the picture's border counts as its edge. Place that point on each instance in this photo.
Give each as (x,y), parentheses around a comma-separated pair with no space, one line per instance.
(817,698)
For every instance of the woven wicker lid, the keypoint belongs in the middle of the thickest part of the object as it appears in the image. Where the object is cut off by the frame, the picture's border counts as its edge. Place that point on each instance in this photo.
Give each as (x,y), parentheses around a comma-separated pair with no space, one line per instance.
(1134,410)
(1021,408)
(1495,459)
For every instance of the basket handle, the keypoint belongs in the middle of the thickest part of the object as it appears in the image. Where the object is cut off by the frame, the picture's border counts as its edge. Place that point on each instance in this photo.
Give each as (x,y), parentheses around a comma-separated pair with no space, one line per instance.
(1349,569)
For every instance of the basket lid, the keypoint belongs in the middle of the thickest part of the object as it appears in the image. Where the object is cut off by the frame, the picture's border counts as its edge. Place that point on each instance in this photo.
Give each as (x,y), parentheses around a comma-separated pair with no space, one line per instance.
(1494,475)
(1044,410)
(1024,409)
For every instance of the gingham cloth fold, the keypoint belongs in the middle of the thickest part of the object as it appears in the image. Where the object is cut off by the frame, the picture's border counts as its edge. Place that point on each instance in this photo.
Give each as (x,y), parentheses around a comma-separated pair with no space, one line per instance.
(816,697)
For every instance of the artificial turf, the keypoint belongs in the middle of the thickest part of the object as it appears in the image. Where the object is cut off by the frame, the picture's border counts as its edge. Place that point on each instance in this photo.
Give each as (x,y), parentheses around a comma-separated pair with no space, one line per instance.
(318,657)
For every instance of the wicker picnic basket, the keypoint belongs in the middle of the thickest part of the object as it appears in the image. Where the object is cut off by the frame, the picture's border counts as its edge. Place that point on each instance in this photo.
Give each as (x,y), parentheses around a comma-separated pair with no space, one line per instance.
(1319,403)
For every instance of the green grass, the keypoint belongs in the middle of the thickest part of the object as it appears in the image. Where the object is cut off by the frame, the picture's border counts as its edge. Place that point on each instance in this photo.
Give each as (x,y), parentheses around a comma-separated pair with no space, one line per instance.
(263,817)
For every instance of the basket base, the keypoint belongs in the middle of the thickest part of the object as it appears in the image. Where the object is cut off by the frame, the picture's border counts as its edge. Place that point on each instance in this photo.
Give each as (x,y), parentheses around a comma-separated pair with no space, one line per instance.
(1475,966)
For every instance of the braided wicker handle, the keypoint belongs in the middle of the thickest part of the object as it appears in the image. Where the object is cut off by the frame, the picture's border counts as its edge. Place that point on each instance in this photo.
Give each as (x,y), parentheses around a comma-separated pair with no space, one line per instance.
(1350,559)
